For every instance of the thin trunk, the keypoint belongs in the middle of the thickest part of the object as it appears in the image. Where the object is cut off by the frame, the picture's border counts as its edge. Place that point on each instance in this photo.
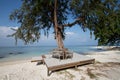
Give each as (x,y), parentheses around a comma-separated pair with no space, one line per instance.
(57,31)
(61,45)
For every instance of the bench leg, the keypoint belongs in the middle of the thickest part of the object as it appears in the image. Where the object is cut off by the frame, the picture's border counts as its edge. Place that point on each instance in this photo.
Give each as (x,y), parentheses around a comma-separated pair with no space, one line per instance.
(93,61)
(48,72)
(76,66)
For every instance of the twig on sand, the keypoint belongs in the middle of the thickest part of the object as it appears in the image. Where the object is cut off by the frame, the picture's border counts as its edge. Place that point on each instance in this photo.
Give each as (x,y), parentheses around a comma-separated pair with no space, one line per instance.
(90,74)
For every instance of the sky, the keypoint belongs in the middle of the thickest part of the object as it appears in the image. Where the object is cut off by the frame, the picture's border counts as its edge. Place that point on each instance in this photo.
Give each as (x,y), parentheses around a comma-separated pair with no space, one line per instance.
(74,35)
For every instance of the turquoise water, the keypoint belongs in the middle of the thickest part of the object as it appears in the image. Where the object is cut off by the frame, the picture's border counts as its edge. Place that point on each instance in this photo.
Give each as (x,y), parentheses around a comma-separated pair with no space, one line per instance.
(20,53)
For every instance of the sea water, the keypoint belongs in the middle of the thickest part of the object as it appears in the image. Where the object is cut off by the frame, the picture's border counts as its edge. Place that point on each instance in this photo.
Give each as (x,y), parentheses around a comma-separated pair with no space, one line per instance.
(27,52)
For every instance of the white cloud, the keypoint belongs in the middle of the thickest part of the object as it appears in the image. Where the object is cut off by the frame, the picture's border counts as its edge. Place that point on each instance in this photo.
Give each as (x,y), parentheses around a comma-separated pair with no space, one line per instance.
(78,38)
(49,37)
(70,33)
(72,38)
(10,41)
(4,31)
(4,40)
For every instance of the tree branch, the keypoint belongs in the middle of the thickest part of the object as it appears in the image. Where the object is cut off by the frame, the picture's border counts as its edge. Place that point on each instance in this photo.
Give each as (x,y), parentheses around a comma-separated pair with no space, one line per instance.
(71,24)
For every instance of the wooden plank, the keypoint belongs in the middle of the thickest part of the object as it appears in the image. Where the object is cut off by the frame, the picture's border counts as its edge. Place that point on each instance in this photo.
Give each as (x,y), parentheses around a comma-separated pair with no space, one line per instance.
(57,67)
(37,59)
(54,64)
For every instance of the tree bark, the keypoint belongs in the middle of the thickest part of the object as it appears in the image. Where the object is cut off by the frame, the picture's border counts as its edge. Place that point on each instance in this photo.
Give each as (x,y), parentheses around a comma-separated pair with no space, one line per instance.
(58,35)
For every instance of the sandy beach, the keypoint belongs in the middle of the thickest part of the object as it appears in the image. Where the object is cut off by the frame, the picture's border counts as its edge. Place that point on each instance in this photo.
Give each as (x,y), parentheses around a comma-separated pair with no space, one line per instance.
(106,67)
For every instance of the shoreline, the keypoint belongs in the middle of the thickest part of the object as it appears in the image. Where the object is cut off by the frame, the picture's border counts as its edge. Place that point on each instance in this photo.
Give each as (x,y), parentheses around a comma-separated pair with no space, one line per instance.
(13,62)
(106,67)
(23,53)
(89,54)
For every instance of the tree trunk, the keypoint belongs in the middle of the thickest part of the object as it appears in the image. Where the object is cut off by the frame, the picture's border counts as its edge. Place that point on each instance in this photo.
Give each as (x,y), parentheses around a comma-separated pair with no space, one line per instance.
(58,35)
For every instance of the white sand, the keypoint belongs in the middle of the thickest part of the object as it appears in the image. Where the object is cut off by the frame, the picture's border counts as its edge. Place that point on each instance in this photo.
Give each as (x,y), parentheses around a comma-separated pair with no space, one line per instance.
(101,70)
(106,56)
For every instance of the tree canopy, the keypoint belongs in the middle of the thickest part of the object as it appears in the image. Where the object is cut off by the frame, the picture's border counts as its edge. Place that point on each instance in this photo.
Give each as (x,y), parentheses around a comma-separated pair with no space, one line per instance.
(101,17)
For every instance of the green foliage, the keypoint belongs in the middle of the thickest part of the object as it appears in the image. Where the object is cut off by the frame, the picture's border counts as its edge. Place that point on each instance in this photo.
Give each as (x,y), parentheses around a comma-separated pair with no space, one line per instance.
(101,17)
(37,15)
(108,31)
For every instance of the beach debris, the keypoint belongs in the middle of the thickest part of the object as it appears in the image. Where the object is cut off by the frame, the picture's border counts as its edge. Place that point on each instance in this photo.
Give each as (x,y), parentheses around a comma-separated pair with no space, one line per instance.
(90,74)
(2,57)
(82,78)
(20,52)
(16,53)
(10,53)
